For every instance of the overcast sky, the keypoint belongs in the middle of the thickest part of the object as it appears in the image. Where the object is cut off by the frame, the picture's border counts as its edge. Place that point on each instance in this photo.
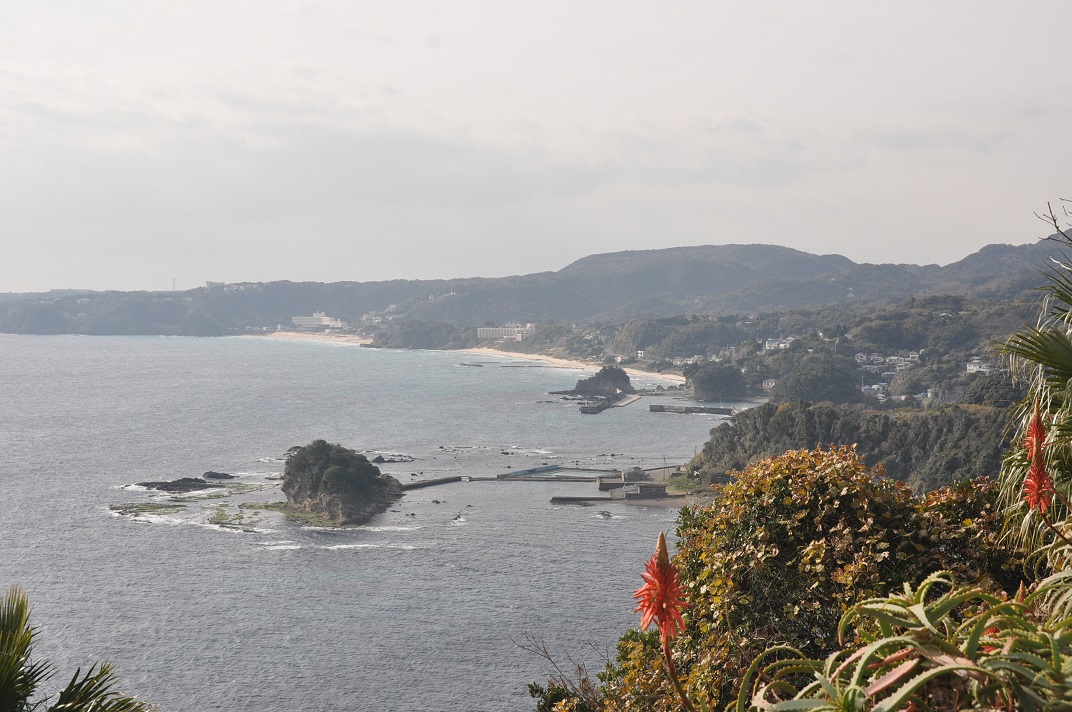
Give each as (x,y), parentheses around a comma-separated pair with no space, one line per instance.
(143,141)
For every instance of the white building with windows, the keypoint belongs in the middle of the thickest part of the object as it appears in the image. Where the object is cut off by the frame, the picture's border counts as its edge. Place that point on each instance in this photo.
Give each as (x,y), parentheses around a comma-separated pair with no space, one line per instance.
(977,365)
(319,320)
(511,330)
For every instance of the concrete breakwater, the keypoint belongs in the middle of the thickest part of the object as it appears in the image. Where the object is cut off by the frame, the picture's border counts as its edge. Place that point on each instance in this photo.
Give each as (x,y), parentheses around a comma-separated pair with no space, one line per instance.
(431,483)
(633,486)
(665,500)
(690,409)
(544,473)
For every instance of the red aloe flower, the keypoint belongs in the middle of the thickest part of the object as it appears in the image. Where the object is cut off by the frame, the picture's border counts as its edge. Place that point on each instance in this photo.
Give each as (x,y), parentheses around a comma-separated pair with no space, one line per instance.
(1038,487)
(661,598)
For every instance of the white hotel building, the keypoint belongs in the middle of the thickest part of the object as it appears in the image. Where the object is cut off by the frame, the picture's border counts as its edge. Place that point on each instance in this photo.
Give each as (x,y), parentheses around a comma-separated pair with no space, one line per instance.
(319,320)
(511,330)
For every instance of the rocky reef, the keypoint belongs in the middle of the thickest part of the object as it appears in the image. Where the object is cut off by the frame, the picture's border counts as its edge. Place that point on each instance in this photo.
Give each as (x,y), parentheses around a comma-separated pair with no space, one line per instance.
(180,486)
(335,484)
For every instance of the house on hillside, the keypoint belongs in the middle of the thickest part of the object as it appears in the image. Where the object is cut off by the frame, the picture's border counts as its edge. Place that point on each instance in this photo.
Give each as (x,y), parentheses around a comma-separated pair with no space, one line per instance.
(978,365)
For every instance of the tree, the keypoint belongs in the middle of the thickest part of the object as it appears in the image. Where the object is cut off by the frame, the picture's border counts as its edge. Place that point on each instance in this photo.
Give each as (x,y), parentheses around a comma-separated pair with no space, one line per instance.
(994,391)
(21,676)
(718,382)
(818,378)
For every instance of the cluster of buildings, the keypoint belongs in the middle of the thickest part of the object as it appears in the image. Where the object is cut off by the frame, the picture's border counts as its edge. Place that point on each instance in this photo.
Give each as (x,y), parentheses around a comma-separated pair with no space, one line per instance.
(778,344)
(633,483)
(887,366)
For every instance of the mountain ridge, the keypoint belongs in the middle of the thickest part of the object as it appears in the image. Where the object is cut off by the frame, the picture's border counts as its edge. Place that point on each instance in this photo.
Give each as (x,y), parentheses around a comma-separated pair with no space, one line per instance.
(605,287)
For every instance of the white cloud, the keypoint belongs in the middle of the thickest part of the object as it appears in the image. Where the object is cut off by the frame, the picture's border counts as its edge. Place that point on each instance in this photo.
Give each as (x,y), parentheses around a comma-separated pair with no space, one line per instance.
(529,135)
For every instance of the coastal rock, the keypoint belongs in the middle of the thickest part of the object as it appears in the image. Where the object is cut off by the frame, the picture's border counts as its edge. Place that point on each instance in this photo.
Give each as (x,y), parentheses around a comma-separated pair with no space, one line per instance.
(183,484)
(609,382)
(211,475)
(380,459)
(337,484)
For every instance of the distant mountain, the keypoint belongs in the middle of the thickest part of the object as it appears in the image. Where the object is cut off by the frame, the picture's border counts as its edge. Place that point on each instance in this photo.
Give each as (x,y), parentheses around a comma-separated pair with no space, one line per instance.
(610,287)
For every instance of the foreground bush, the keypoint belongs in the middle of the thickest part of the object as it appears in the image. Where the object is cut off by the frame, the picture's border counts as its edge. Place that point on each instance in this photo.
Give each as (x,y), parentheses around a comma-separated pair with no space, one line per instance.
(784,551)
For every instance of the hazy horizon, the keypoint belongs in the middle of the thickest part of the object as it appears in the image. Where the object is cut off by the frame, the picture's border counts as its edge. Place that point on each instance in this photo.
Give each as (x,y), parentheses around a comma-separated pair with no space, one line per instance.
(145,142)
(180,287)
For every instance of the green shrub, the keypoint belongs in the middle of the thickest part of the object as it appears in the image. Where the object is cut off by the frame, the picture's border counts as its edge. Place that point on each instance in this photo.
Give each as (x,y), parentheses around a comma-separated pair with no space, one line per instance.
(781,554)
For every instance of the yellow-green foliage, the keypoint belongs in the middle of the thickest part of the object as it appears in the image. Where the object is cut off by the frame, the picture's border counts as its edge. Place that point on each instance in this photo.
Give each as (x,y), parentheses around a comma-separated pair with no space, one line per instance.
(786,549)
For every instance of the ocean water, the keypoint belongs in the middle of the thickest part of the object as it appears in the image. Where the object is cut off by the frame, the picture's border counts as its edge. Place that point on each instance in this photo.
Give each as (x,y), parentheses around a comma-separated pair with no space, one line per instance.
(425,608)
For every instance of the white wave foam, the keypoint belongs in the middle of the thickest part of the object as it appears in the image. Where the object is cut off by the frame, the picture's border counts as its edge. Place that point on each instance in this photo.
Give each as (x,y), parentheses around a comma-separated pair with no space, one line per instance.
(159,519)
(282,547)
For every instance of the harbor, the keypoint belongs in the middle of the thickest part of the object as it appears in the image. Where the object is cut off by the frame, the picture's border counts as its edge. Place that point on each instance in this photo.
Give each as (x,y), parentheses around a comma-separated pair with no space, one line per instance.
(632,485)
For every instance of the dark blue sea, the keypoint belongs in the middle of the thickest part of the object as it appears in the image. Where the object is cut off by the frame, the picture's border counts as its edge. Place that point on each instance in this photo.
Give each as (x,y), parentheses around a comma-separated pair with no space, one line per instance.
(211,605)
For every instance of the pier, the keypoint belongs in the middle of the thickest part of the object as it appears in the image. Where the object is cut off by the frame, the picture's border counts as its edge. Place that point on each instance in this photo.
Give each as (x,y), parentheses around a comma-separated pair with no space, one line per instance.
(598,406)
(631,485)
(690,409)
(589,501)
(431,483)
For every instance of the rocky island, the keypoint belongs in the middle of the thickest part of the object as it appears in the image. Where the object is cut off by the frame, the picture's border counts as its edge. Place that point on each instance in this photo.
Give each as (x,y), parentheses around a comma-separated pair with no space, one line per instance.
(606,388)
(335,484)
(609,382)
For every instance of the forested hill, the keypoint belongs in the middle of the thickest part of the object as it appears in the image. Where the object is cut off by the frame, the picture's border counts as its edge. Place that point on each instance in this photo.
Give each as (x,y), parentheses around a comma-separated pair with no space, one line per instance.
(926,449)
(610,287)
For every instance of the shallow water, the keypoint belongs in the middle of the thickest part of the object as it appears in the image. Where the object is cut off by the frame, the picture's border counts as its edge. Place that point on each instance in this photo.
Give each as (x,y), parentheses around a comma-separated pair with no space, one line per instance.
(419,610)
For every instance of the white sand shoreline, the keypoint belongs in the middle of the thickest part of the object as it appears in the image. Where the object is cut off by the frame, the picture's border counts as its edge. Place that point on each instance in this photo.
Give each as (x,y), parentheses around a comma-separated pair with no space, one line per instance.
(314,336)
(480,351)
(569,363)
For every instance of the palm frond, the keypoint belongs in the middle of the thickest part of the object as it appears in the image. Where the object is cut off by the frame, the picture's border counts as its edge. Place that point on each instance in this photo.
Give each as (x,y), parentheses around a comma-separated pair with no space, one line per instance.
(94,692)
(19,676)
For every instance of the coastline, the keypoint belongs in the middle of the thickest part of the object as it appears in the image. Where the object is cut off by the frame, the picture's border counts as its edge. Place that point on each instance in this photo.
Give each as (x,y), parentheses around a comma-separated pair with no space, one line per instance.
(314,336)
(567,363)
(480,351)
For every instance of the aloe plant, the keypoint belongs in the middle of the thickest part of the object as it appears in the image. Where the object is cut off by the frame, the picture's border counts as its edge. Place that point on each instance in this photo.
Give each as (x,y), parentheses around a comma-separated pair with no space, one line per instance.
(937,646)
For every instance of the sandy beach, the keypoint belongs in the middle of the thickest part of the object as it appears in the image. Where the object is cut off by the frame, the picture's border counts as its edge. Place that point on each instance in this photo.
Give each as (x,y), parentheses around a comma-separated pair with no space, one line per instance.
(569,363)
(551,360)
(316,336)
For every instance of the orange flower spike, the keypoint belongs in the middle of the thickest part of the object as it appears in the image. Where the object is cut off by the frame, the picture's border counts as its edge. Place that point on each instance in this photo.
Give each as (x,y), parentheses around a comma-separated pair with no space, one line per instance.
(1036,434)
(662,597)
(1038,487)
